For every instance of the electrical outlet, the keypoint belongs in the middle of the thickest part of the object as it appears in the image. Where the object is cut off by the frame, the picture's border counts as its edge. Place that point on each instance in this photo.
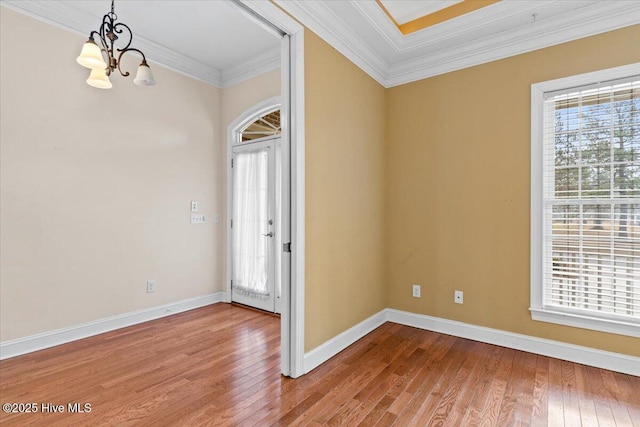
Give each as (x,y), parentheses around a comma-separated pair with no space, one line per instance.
(151,286)
(458,297)
(416,291)
(194,206)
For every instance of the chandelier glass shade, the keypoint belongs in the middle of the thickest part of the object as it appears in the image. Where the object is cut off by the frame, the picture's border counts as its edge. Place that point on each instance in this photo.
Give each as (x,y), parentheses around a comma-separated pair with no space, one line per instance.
(98,78)
(94,51)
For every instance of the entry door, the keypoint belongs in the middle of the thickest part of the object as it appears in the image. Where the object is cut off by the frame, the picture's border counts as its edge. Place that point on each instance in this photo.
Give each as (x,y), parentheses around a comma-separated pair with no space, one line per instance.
(255,224)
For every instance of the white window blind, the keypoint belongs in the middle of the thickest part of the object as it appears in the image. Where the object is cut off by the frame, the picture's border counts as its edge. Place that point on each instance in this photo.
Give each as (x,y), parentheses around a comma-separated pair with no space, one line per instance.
(591,201)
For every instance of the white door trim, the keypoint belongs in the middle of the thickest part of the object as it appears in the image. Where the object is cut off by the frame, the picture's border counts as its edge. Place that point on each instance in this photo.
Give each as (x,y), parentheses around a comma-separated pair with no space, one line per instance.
(297,125)
(292,72)
(292,117)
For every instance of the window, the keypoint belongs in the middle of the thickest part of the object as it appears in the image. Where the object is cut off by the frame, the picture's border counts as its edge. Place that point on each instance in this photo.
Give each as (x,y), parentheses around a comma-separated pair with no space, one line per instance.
(585,201)
(266,125)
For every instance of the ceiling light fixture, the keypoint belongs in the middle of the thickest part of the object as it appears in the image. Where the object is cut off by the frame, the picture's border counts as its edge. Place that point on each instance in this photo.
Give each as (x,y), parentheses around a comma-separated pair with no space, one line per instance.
(91,55)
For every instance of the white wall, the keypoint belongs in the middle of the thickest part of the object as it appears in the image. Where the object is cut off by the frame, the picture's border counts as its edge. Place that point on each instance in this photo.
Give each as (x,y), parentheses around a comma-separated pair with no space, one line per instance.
(95,186)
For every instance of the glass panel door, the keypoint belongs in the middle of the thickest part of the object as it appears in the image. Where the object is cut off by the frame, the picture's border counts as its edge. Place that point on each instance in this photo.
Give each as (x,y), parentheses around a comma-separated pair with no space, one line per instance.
(254,228)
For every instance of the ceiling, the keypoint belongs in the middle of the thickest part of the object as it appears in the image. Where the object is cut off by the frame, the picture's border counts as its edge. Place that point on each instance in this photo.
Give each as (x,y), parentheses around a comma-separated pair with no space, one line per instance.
(364,32)
(394,41)
(214,41)
(408,10)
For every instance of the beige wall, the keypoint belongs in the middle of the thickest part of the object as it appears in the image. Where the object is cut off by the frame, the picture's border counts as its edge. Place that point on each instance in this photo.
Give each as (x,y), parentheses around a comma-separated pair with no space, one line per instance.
(457,199)
(344,111)
(240,97)
(95,186)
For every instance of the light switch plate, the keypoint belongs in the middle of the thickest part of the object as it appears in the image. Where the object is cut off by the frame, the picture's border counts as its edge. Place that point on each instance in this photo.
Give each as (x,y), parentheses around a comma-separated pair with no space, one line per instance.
(198,218)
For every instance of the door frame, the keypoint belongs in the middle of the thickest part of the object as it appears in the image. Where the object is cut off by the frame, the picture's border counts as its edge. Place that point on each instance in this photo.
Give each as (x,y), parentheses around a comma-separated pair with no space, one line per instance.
(291,103)
(268,14)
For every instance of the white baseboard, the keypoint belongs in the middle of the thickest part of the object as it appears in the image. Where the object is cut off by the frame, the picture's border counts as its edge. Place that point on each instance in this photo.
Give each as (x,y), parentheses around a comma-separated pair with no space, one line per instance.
(573,353)
(335,345)
(61,336)
(559,350)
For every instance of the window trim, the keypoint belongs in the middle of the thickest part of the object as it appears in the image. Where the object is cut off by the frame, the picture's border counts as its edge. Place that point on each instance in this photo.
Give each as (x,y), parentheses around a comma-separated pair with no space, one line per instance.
(538,311)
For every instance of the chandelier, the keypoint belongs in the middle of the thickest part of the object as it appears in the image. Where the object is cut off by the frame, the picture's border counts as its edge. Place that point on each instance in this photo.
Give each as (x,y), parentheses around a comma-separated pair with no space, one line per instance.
(92,54)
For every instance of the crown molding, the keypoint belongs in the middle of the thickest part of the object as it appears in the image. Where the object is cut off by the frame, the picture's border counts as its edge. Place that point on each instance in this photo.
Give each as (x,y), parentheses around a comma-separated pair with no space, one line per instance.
(417,55)
(319,18)
(588,20)
(54,13)
(74,20)
(380,22)
(543,34)
(254,67)
(180,63)
(480,19)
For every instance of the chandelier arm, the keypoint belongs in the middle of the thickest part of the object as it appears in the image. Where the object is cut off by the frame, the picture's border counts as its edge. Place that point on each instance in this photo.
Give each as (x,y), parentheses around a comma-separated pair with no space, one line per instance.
(122,52)
(107,42)
(117,29)
(102,44)
(107,22)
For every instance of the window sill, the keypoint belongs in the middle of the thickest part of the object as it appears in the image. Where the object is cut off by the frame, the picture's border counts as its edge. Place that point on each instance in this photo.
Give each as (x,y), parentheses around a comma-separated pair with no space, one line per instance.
(586,322)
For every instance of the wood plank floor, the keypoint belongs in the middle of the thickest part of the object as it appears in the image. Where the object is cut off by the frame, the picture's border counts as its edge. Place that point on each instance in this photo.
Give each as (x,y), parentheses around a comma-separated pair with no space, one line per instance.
(219,365)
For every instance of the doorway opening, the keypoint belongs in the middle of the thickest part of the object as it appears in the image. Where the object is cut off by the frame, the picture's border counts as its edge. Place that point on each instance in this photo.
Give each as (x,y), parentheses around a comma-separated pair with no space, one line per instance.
(256,207)
(291,106)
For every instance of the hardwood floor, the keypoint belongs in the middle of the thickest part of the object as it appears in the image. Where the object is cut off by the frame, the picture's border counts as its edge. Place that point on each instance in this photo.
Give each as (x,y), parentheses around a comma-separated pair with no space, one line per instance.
(219,365)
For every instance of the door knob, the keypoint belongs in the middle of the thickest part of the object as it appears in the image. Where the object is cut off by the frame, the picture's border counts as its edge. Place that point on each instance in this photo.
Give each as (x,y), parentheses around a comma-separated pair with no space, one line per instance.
(269,234)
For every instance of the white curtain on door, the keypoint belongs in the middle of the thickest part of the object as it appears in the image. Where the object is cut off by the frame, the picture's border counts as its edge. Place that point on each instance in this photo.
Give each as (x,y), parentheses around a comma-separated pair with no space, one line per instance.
(251,216)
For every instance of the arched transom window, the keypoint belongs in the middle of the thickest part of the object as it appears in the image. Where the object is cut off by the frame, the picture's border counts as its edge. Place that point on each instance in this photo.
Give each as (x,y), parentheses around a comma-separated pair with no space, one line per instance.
(265,125)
